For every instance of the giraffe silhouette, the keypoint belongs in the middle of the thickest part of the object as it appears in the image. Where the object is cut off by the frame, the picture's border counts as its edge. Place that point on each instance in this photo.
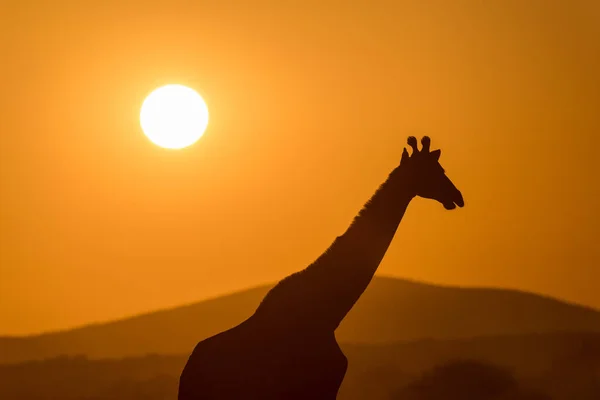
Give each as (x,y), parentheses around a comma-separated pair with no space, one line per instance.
(287,348)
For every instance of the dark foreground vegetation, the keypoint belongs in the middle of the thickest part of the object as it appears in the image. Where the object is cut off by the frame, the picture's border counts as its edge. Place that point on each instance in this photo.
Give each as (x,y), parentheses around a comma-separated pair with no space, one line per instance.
(532,367)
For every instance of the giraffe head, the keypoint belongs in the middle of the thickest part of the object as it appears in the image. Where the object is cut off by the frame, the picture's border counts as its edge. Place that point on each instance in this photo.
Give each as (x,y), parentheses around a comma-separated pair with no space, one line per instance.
(428,176)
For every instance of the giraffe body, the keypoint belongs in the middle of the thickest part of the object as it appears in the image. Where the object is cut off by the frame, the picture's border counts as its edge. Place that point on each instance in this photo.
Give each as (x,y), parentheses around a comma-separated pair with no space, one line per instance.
(257,361)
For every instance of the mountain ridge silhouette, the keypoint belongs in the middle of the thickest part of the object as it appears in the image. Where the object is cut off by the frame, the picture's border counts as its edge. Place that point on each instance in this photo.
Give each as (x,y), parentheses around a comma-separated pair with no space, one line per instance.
(391,310)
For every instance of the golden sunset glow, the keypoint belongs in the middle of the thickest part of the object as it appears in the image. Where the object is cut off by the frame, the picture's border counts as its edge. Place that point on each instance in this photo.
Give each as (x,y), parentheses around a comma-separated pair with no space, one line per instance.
(174,116)
(310,106)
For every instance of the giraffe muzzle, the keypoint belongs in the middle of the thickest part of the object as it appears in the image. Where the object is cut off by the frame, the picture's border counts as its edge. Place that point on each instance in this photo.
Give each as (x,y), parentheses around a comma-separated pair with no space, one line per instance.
(456,201)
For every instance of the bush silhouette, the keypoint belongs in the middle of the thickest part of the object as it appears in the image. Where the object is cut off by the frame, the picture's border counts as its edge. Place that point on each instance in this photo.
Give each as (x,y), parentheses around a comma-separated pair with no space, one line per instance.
(464,379)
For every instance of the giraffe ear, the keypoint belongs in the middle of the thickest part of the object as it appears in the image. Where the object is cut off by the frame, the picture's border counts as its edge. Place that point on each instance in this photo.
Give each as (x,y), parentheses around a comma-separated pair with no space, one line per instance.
(436,154)
(405,155)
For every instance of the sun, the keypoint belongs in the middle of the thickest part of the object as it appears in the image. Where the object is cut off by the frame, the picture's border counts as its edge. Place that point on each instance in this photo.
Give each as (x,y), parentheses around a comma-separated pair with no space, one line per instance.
(174,116)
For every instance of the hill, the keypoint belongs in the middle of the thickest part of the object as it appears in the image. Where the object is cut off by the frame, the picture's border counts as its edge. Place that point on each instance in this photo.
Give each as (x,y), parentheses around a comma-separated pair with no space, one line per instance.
(391,310)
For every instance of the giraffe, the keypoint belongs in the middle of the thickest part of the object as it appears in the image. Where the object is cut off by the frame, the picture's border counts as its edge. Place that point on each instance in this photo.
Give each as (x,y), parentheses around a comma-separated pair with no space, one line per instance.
(287,349)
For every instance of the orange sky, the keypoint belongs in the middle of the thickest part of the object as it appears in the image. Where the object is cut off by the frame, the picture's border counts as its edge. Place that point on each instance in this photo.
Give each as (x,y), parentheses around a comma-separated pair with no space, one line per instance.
(310,108)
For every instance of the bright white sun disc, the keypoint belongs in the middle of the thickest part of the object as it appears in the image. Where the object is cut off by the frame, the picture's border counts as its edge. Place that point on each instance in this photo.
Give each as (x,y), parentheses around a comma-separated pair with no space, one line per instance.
(174,116)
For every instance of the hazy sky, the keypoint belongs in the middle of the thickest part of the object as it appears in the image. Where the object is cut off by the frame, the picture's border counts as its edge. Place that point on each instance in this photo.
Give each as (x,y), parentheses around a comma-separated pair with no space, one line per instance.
(310,108)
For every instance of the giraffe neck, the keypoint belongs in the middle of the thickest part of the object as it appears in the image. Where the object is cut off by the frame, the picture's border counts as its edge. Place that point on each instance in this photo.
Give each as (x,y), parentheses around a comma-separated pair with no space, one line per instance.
(321,295)
(371,233)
